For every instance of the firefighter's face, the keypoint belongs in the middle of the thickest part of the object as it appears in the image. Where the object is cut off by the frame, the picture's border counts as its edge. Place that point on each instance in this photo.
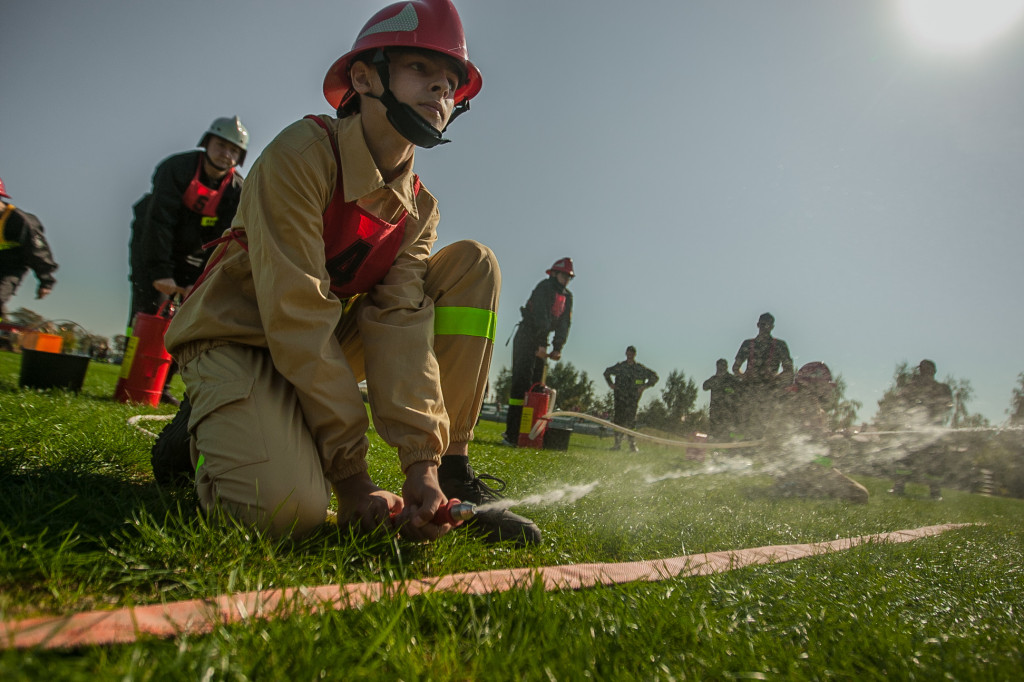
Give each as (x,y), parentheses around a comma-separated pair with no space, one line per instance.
(223,155)
(422,79)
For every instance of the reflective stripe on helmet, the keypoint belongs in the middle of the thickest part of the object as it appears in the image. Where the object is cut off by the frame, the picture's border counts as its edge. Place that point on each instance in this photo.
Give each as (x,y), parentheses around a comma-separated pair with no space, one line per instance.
(432,25)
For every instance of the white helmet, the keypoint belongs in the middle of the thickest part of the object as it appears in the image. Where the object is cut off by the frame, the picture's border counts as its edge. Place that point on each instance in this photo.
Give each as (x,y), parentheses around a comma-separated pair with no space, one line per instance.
(231,130)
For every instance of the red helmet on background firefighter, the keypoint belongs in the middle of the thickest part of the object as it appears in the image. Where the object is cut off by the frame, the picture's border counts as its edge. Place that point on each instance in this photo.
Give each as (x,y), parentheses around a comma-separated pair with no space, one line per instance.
(814,373)
(3,190)
(432,25)
(562,265)
(815,378)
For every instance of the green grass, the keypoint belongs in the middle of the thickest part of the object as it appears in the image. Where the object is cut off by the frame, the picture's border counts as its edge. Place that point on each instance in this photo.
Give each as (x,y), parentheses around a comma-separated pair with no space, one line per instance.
(83,526)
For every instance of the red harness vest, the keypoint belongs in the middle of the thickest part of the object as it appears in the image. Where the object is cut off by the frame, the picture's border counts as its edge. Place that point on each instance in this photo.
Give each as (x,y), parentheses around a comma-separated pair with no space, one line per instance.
(558,306)
(359,247)
(200,199)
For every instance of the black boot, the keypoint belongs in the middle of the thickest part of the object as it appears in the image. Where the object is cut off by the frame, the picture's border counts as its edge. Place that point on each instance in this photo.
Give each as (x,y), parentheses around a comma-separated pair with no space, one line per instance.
(511,435)
(171,456)
(494,524)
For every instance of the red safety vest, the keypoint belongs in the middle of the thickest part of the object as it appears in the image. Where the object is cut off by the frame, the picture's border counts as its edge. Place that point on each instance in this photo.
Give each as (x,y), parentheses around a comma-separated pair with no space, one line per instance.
(359,247)
(199,198)
(558,306)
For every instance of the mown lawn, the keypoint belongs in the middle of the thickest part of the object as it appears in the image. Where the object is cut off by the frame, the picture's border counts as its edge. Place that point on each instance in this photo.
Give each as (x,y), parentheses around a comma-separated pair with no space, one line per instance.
(83,526)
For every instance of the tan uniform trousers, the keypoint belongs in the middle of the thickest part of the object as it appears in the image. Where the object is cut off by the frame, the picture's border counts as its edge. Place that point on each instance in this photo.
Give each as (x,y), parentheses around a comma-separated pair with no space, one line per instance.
(254,456)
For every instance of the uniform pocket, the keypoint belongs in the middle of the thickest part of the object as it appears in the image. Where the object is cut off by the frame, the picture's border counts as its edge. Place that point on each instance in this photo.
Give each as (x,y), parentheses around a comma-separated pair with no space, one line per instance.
(214,396)
(225,422)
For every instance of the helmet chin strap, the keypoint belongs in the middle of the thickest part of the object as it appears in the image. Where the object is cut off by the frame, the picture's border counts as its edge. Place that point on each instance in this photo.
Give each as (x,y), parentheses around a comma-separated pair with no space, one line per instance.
(210,161)
(218,167)
(403,117)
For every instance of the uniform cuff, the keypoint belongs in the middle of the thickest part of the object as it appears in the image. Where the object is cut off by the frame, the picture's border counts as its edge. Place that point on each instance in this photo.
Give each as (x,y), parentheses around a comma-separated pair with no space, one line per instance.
(345,470)
(407,459)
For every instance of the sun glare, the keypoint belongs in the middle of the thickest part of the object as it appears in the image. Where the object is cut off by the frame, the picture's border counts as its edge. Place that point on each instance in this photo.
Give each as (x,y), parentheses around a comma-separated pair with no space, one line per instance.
(959,24)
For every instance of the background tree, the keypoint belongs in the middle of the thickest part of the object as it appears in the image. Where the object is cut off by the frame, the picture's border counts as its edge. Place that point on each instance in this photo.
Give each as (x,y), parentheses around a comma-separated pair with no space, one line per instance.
(26,317)
(674,411)
(656,415)
(679,394)
(1017,402)
(842,413)
(889,405)
(962,393)
(604,406)
(575,388)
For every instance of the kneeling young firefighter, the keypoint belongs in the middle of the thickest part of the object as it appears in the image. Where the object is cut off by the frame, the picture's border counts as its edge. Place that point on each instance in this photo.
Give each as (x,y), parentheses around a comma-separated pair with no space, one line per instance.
(549,309)
(803,416)
(328,276)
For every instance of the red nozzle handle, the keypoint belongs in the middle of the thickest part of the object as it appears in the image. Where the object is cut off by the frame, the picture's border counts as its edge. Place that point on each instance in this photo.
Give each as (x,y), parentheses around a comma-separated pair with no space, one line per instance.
(454,512)
(444,513)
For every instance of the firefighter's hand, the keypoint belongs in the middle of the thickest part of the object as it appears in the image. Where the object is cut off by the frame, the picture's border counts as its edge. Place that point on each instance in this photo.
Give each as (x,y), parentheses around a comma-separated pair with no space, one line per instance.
(167,286)
(542,352)
(423,497)
(555,355)
(362,503)
(43,292)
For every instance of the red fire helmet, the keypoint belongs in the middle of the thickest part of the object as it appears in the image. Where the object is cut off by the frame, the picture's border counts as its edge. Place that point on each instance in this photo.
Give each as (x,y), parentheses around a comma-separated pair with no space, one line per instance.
(562,265)
(424,24)
(3,190)
(814,373)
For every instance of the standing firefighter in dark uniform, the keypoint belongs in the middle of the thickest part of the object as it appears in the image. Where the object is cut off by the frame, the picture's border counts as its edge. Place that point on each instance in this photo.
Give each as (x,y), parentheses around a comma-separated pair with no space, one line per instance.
(769,370)
(193,200)
(548,310)
(631,380)
(23,247)
(924,405)
(724,388)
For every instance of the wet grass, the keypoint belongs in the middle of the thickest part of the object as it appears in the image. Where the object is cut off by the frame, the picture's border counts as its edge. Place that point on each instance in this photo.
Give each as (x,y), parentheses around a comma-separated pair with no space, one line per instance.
(83,526)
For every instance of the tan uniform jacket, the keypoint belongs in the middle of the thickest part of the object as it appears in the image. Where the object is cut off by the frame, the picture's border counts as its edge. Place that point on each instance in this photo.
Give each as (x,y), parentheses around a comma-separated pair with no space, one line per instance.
(276,295)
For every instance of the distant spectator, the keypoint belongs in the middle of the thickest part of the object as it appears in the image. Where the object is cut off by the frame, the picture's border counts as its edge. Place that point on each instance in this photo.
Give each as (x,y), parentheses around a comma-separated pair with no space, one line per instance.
(924,404)
(724,389)
(631,379)
(23,247)
(769,369)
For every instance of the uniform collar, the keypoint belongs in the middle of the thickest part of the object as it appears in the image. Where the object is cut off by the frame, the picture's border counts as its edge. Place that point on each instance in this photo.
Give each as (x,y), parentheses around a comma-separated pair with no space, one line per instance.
(361,176)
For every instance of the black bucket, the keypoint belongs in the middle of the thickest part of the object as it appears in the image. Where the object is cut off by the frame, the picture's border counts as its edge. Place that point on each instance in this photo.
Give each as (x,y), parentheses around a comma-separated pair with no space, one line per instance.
(557,438)
(40,369)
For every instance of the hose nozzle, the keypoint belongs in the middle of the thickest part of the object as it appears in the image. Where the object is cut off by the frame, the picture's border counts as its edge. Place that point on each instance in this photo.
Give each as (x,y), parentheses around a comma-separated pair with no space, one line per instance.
(455,512)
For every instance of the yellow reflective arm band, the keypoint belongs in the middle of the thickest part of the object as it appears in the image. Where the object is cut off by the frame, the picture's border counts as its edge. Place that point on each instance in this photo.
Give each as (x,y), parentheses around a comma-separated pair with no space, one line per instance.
(513,401)
(465,322)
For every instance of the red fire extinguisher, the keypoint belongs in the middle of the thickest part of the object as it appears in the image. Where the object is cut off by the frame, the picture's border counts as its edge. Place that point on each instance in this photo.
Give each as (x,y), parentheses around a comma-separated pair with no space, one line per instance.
(146,361)
(534,407)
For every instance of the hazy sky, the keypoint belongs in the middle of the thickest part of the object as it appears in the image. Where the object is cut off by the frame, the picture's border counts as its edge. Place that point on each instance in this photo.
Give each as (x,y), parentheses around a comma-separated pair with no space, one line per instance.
(701,161)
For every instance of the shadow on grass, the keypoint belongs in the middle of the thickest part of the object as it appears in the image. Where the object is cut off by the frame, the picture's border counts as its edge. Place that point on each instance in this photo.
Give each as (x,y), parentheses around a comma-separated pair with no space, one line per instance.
(62,499)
